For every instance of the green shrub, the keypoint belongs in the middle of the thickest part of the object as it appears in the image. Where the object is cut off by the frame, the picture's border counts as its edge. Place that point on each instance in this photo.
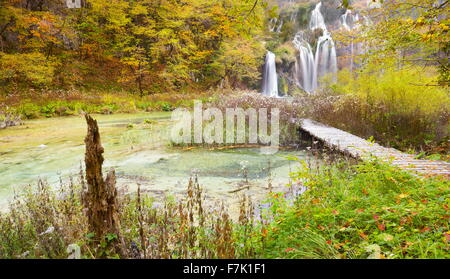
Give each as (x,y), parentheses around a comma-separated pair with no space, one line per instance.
(165,106)
(48,110)
(29,110)
(370,210)
(391,106)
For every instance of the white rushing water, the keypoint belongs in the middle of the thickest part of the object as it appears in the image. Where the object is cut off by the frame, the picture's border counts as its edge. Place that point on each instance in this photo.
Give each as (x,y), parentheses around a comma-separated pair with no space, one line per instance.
(326,58)
(313,63)
(270,79)
(317,20)
(311,67)
(305,67)
(353,22)
(349,21)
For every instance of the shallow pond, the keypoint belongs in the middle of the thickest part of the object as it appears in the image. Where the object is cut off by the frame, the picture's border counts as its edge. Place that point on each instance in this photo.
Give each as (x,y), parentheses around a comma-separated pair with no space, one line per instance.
(137,147)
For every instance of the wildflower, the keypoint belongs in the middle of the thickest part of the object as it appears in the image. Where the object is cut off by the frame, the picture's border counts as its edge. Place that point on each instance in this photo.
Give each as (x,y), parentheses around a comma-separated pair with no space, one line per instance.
(363,235)
(264,233)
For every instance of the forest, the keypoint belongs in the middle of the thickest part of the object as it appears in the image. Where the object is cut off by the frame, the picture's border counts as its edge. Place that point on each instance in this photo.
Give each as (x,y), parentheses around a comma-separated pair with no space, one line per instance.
(90,91)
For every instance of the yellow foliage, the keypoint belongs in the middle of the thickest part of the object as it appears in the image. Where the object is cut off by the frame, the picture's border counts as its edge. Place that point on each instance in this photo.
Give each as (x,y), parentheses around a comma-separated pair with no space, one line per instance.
(407,90)
(32,67)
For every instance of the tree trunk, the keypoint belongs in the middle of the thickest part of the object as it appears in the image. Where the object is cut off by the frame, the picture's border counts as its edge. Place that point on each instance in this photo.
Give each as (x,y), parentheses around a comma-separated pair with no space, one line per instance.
(101,197)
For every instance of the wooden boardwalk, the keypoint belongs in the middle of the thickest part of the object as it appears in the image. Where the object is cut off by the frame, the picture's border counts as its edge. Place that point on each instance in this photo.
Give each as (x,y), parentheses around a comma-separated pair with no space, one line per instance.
(362,149)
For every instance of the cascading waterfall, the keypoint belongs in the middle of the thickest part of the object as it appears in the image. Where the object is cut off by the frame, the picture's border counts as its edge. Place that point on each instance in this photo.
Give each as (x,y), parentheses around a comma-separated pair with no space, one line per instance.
(273,22)
(325,58)
(351,22)
(276,25)
(278,30)
(270,78)
(317,21)
(294,17)
(314,63)
(305,66)
(348,21)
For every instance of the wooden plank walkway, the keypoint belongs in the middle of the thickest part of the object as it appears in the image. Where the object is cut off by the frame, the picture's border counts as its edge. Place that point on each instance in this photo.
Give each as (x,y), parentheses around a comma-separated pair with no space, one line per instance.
(362,149)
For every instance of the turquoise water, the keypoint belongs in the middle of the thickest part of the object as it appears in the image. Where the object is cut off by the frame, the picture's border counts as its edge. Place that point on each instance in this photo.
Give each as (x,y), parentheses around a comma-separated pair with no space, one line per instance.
(139,152)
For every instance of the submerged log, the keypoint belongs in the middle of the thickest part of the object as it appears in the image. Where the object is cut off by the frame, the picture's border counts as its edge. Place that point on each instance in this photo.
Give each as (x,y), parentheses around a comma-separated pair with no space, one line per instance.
(101,196)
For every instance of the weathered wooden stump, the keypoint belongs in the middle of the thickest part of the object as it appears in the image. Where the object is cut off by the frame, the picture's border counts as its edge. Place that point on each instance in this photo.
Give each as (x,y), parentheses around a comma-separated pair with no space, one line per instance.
(100,199)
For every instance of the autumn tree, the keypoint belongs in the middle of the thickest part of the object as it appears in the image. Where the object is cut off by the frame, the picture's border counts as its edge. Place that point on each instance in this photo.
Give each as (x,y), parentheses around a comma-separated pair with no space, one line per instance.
(411,32)
(155,45)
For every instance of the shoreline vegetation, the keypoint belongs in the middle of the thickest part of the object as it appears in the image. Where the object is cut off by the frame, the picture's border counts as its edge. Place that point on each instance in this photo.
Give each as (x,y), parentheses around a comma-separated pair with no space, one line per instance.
(336,210)
(405,125)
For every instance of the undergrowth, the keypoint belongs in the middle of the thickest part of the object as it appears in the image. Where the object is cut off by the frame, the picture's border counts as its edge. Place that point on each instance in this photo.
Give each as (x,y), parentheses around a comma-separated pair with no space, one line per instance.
(368,210)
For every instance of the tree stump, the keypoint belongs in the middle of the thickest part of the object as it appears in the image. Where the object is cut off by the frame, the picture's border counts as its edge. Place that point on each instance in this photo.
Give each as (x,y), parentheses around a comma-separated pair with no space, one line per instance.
(101,196)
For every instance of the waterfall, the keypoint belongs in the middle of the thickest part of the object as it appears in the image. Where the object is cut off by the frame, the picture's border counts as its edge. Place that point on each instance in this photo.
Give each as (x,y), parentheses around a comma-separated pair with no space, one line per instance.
(270,78)
(326,58)
(305,65)
(309,67)
(278,30)
(317,21)
(275,25)
(350,23)
(273,22)
(345,19)
(294,16)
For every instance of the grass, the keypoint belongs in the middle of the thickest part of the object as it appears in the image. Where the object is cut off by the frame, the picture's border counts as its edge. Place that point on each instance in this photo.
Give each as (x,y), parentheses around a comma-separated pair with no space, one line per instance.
(289,110)
(32,104)
(45,223)
(391,109)
(368,210)
(395,107)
